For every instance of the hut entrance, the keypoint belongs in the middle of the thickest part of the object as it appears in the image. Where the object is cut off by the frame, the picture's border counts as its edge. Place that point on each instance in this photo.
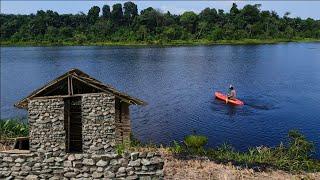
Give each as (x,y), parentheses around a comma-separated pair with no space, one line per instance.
(73,124)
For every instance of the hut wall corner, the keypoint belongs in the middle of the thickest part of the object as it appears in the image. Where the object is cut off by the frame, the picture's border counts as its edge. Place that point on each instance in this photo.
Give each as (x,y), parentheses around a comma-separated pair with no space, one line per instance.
(46,121)
(98,123)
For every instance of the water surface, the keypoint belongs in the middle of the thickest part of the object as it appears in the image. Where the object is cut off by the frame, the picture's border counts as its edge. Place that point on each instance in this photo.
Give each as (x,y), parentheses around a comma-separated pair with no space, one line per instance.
(280,85)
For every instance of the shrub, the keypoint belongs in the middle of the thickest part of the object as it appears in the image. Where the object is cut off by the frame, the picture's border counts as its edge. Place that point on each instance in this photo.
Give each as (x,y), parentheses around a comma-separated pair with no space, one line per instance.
(196,143)
(13,128)
(176,148)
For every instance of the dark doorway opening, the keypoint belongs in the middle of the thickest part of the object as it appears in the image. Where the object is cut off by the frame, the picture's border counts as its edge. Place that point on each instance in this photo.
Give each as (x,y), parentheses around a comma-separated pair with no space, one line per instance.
(73,124)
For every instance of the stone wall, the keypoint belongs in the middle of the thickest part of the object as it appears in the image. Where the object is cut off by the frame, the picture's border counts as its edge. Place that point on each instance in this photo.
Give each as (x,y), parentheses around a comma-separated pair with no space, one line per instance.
(136,165)
(123,126)
(98,123)
(46,121)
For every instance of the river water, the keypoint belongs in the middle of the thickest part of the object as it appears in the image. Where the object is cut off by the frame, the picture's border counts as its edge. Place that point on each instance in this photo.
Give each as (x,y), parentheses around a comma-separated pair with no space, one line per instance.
(280,85)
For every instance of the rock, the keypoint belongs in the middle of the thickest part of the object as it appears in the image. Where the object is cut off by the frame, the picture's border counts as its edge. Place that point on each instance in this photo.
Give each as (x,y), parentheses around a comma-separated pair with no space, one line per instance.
(144,168)
(71,157)
(109,174)
(142,154)
(70,174)
(159,172)
(78,156)
(19,160)
(31,177)
(77,164)
(150,154)
(67,163)
(102,163)
(88,162)
(58,159)
(97,175)
(132,177)
(135,163)
(145,162)
(134,156)
(114,162)
(156,160)
(122,170)
(99,169)
(49,160)
(7,159)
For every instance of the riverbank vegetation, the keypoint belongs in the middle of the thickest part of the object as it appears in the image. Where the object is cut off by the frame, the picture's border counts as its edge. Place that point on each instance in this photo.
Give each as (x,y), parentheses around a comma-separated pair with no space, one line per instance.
(13,128)
(123,25)
(295,156)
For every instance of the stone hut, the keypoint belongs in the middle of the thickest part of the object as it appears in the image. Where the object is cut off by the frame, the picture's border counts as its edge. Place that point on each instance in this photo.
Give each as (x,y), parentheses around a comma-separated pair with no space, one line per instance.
(77,113)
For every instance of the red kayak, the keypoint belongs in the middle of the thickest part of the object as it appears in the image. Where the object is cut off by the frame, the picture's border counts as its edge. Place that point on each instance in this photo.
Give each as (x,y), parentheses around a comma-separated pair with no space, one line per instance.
(224,98)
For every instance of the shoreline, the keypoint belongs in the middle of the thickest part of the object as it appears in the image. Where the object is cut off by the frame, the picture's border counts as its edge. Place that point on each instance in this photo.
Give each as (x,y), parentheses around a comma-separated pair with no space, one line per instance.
(175,43)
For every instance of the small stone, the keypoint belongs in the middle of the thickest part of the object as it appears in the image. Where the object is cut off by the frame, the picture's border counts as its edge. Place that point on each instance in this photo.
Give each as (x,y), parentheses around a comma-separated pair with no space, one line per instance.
(78,156)
(7,159)
(49,160)
(102,163)
(159,172)
(71,157)
(122,170)
(97,175)
(77,164)
(145,162)
(135,163)
(114,162)
(142,154)
(109,174)
(150,154)
(67,164)
(156,160)
(134,156)
(31,177)
(88,162)
(70,174)
(19,160)
(144,168)
(58,159)
(132,177)
(99,169)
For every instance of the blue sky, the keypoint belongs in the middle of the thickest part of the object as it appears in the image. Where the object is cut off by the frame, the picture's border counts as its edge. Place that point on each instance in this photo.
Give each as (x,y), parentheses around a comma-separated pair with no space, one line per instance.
(302,9)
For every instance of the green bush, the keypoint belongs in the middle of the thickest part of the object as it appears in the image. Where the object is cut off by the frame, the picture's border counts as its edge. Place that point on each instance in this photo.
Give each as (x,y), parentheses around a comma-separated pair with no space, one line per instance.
(13,128)
(176,148)
(196,143)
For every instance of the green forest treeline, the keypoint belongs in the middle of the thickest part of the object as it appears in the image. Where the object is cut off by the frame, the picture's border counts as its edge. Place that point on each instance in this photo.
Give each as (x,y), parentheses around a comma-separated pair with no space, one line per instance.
(124,24)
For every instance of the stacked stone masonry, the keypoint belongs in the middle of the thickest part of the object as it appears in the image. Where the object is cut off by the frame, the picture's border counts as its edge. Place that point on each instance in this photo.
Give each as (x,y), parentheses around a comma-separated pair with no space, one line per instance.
(46,122)
(98,123)
(136,165)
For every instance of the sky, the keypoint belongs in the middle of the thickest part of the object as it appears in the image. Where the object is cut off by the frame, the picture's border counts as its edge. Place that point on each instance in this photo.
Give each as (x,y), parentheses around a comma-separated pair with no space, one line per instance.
(303,9)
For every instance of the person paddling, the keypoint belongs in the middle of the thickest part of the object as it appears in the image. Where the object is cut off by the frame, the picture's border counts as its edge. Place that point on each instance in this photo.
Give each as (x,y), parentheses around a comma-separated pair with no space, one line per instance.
(231,94)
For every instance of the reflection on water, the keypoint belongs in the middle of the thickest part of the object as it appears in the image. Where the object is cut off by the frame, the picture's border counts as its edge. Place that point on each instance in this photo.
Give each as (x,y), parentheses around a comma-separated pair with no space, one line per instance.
(279,84)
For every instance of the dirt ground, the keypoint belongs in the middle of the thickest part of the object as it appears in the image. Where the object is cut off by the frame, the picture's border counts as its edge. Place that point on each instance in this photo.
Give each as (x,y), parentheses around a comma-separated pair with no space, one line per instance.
(205,169)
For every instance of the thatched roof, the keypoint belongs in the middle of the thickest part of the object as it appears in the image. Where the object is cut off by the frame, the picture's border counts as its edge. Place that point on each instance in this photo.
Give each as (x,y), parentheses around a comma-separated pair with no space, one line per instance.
(76,82)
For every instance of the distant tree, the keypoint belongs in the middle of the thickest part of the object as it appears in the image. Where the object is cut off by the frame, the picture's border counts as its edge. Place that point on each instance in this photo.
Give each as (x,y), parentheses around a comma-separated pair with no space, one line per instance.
(93,14)
(189,21)
(130,12)
(124,23)
(117,14)
(106,12)
(234,9)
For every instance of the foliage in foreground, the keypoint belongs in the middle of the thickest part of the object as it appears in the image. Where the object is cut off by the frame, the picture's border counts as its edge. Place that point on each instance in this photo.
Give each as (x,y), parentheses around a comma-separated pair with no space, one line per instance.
(13,128)
(295,156)
(125,24)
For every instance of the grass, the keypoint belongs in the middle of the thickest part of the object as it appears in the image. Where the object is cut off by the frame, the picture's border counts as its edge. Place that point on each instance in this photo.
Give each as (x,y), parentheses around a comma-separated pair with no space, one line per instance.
(13,128)
(296,156)
(155,42)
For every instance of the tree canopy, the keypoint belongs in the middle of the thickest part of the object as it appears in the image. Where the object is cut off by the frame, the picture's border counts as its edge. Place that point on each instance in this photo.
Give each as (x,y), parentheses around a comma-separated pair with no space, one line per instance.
(125,23)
